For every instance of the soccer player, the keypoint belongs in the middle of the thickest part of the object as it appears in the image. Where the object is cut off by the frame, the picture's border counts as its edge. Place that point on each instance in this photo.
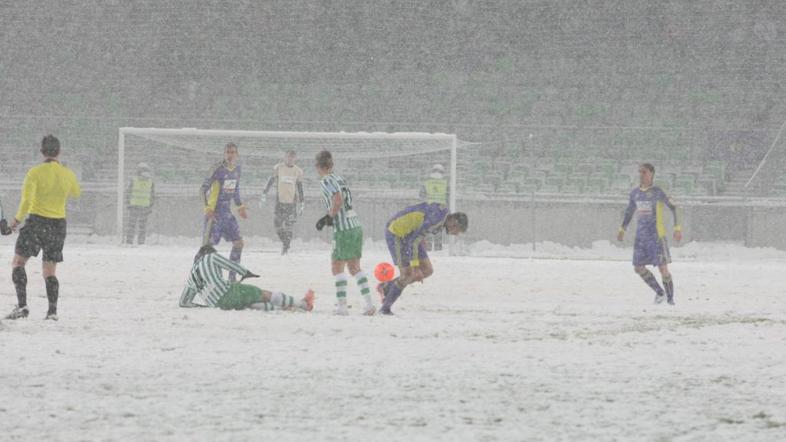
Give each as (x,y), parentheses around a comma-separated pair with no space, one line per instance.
(347,234)
(651,247)
(288,179)
(221,188)
(140,198)
(405,235)
(207,280)
(46,189)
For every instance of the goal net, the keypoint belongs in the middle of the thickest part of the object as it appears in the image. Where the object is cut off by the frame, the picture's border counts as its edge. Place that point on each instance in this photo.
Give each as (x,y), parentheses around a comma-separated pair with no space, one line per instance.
(385,171)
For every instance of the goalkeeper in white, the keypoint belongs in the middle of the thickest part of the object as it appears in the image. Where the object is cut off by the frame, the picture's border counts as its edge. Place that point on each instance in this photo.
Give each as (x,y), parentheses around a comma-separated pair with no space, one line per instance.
(207,280)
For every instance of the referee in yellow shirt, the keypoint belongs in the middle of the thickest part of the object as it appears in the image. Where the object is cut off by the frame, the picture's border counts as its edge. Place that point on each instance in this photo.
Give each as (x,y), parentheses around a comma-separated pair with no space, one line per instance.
(44,194)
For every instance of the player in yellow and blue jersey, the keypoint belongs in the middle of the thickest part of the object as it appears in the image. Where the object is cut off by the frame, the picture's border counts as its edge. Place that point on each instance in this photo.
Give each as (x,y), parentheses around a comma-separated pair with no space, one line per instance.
(219,191)
(651,247)
(405,235)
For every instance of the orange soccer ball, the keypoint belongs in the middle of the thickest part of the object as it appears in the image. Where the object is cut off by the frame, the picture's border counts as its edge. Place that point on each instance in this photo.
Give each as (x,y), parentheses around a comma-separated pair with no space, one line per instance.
(384,272)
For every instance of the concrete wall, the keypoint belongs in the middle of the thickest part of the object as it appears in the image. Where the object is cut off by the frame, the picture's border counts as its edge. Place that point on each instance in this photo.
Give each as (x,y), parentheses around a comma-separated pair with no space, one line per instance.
(573,223)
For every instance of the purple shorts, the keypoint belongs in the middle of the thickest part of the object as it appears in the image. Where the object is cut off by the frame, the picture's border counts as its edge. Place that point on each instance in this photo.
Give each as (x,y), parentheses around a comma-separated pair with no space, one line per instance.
(397,253)
(224,226)
(651,251)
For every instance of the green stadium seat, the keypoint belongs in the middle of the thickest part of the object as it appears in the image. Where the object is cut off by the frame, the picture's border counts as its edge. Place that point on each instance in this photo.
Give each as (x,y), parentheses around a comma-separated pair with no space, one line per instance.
(555,180)
(534,181)
(571,188)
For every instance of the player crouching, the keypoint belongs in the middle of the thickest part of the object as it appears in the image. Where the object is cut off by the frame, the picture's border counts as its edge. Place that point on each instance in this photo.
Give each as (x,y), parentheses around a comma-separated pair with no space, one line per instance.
(405,235)
(207,280)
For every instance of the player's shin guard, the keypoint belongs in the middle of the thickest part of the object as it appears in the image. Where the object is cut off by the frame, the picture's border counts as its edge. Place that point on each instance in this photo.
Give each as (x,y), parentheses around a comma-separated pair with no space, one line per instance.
(52,291)
(282,300)
(19,277)
(341,288)
(649,278)
(668,284)
(362,280)
(234,256)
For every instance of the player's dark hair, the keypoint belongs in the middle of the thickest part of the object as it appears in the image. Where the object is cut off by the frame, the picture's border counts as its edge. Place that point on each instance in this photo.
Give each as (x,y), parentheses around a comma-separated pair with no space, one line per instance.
(649,167)
(462,220)
(230,144)
(50,146)
(325,160)
(291,152)
(204,250)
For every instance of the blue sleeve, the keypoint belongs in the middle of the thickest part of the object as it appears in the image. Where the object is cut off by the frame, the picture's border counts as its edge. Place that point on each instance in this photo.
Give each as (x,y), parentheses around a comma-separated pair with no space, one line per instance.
(629,211)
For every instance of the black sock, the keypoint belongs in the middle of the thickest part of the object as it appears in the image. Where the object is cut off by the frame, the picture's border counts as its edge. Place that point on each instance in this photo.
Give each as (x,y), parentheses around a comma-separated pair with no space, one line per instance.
(52,289)
(668,284)
(19,276)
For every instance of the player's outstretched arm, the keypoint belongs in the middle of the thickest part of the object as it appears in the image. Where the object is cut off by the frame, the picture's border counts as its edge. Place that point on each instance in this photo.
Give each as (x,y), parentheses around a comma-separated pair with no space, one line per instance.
(226,264)
(272,180)
(627,217)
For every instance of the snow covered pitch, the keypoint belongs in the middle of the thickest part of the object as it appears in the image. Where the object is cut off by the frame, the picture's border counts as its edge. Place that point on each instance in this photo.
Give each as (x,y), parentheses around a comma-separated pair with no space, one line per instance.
(491,348)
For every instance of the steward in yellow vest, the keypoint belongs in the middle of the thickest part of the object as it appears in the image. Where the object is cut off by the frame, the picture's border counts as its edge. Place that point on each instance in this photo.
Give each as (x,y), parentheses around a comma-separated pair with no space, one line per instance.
(435,190)
(140,198)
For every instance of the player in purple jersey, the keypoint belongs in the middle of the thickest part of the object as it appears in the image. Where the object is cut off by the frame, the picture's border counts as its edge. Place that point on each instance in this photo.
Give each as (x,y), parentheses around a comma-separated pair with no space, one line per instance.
(651,246)
(220,189)
(405,235)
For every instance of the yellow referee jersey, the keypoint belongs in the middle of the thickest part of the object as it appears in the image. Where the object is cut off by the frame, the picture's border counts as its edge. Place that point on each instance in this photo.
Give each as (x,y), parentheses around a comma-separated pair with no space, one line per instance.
(46,189)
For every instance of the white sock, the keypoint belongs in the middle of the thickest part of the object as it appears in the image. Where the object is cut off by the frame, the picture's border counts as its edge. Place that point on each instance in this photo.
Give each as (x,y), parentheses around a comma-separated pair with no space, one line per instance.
(341,288)
(282,300)
(362,280)
(264,306)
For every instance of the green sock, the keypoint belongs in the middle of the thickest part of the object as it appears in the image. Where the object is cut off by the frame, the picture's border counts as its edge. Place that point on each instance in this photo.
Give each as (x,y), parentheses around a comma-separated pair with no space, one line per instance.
(365,290)
(341,288)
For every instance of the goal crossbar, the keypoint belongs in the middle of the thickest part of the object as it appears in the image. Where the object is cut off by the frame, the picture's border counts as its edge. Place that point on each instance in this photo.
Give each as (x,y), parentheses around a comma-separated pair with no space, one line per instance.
(451,139)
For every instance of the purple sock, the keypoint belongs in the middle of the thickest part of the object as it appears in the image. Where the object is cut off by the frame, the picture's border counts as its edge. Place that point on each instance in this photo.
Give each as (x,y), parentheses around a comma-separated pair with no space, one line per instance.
(392,293)
(649,278)
(234,256)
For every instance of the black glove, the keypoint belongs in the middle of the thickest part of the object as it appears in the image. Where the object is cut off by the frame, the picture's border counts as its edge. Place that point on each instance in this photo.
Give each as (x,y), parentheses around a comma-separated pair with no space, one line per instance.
(4,229)
(248,274)
(326,220)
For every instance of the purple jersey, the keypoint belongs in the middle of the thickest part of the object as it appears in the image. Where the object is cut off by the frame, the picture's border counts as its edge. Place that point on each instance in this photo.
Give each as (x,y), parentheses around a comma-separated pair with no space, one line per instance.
(647,205)
(650,246)
(222,187)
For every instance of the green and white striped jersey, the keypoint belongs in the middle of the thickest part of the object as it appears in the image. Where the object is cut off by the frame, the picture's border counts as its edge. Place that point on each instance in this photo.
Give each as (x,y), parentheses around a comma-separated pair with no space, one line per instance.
(346,218)
(207,280)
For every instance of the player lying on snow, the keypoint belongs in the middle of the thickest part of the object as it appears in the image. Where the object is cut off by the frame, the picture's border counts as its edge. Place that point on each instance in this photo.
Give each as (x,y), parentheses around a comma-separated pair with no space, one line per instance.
(405,235)
(207,280)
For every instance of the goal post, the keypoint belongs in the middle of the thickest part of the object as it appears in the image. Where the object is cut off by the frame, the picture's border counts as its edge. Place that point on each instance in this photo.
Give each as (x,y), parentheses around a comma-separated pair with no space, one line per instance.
(387,163)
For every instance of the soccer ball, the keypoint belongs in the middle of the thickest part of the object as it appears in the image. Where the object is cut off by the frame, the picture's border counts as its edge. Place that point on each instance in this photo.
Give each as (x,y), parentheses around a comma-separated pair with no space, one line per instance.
(384,272)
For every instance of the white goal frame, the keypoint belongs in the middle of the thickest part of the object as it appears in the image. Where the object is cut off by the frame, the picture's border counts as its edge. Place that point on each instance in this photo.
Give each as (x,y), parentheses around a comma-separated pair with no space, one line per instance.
(221,133)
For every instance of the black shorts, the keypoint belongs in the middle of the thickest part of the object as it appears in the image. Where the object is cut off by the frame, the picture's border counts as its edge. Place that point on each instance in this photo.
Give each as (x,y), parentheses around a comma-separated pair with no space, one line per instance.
(285,215)
(42,233)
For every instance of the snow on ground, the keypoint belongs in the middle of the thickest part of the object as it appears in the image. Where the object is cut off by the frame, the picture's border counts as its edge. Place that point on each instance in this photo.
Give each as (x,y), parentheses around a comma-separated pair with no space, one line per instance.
(491,348)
